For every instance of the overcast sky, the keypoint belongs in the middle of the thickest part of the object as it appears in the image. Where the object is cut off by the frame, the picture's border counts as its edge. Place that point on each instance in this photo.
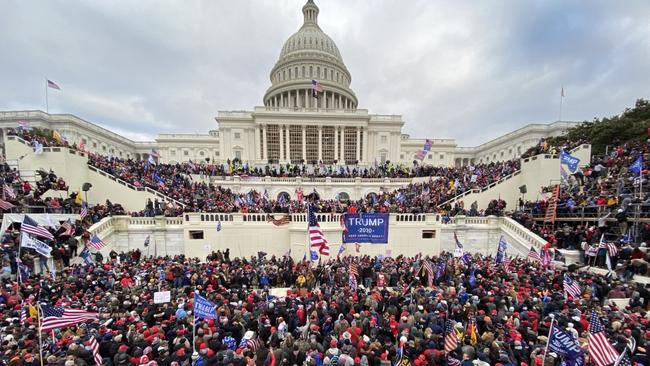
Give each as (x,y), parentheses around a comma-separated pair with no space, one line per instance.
(470,70)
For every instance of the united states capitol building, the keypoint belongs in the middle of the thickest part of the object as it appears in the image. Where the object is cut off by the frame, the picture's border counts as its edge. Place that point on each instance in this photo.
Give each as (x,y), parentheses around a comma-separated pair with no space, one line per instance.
(293,126)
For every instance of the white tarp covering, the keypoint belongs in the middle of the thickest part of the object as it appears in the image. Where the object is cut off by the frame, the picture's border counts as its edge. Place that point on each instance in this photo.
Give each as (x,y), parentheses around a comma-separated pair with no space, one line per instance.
(48,220)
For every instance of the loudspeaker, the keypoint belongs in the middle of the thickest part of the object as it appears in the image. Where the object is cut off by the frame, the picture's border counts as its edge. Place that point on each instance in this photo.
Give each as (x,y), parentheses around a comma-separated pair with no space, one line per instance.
(86,187)
(522,189)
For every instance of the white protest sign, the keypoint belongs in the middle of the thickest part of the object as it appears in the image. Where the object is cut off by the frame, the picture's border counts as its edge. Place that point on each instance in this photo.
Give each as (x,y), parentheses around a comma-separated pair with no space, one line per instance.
(161,297)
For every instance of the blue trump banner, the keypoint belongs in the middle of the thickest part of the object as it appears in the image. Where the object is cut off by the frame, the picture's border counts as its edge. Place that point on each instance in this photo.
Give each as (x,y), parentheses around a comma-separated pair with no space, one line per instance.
(204,308)
(569,160)
(366,228)
(565,345)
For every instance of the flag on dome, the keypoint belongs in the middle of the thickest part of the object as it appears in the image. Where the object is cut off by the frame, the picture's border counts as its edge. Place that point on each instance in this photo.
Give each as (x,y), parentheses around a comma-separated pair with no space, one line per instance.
(316,88)
(52,84)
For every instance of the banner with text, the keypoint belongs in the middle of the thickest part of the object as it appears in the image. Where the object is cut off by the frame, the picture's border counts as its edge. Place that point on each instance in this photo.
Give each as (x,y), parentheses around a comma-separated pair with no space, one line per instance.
(366,228)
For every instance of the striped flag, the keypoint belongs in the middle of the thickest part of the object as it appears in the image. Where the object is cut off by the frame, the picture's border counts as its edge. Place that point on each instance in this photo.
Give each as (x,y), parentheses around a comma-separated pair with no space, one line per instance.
(451,338)
(611,247)
(316,236)
(67,228)
(601,352)
(30,226)
(506,264)
(94,346)
(52,84)
(24,125)
(8,191)
(23,314)
(316,88)
(532,254)
(571,287)
(84,210)
(6,205)
(58,317)
(429,268)
(354,269)
(96,242)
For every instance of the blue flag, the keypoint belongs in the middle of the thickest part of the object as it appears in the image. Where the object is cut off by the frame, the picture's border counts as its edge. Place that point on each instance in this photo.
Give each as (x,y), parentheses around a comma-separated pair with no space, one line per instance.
(204,308)
(313,255)
(467,258)
(501,251)
(219,226)
(637,166)
(87,257)
(565,345)
(22,270)
(569,160)
(472,277)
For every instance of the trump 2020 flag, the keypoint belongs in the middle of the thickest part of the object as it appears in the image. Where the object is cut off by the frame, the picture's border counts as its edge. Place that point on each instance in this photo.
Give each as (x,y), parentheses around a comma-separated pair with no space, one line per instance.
(569,160)
(204,308)
(566,346)
(501,250)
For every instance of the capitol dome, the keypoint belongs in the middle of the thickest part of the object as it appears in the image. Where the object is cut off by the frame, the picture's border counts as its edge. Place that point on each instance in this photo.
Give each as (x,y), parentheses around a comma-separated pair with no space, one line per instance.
(310,54)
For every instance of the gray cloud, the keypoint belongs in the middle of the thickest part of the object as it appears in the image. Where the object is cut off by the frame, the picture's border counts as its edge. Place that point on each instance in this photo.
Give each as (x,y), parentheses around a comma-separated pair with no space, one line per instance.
(467,70)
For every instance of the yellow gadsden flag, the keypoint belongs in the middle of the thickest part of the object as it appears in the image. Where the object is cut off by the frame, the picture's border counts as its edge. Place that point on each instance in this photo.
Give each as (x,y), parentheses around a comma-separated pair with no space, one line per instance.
(77,200)
(57,136)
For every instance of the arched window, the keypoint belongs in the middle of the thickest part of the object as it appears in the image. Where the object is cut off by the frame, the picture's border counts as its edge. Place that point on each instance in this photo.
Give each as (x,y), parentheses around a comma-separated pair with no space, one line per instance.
(311,71)
(318,72)
(343,196)
(303,72)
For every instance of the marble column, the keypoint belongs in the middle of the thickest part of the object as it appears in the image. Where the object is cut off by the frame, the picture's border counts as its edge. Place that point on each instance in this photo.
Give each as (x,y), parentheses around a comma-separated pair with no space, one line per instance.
(336,143)
(358,143)
(281,128)
(287,137)
(320,143)
(304,144)
(265,152)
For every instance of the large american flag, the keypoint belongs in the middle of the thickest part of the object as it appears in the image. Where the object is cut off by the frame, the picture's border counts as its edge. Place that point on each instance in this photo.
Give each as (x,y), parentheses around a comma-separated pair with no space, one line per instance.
(532,254)
(451,338)
(94,346)
(571,287)
(58,317)
(53,85)
(316,236)
(601,352)
(96,242)
(30,226)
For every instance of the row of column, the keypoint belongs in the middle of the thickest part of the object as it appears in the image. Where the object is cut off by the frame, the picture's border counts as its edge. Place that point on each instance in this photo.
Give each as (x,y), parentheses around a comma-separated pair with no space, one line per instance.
(327,99)
(285,143)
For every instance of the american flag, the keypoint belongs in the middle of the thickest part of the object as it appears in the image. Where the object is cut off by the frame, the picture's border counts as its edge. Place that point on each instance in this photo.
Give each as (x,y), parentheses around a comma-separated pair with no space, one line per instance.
(353,282)
(612,249)
(571,287)
(67,227)
(52,84)
(354,270)
(532,254)
(30,226)
(601,352)
(506,263)
(624,358)
(6,205)
(429,268)
(316,236)
(94,346)
(316,87)
(96,242)
(58,317)
(84,210)
(451,361)
(24,125)
(9,192)
(451,338)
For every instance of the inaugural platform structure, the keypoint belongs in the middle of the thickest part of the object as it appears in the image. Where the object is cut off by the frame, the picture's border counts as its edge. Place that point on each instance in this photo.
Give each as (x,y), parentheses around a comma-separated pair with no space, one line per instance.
(294,124)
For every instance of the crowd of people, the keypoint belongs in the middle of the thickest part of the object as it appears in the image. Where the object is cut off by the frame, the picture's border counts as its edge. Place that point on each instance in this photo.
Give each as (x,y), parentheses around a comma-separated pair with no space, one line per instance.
(480,313)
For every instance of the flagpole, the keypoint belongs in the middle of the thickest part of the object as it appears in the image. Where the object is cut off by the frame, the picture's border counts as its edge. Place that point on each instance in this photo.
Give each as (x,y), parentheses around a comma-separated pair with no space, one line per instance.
(548,339)
(561,100)
(47,104)
(194,324)
(40,334)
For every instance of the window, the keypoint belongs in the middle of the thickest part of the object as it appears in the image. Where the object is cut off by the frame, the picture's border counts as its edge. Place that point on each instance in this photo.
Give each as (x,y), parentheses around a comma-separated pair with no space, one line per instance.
(196,234)
(284,75)
(311,144)
(428,234)
(216,153)
(201,153)
(303,72)
(173,152)
(186,153)
(384,139)
(328,144)
(401,156)
(382,157)
(350,145)
(430,156)
(238,155)
(237,135)
(95,145)
(311,71)
(295,141)
(442,156)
